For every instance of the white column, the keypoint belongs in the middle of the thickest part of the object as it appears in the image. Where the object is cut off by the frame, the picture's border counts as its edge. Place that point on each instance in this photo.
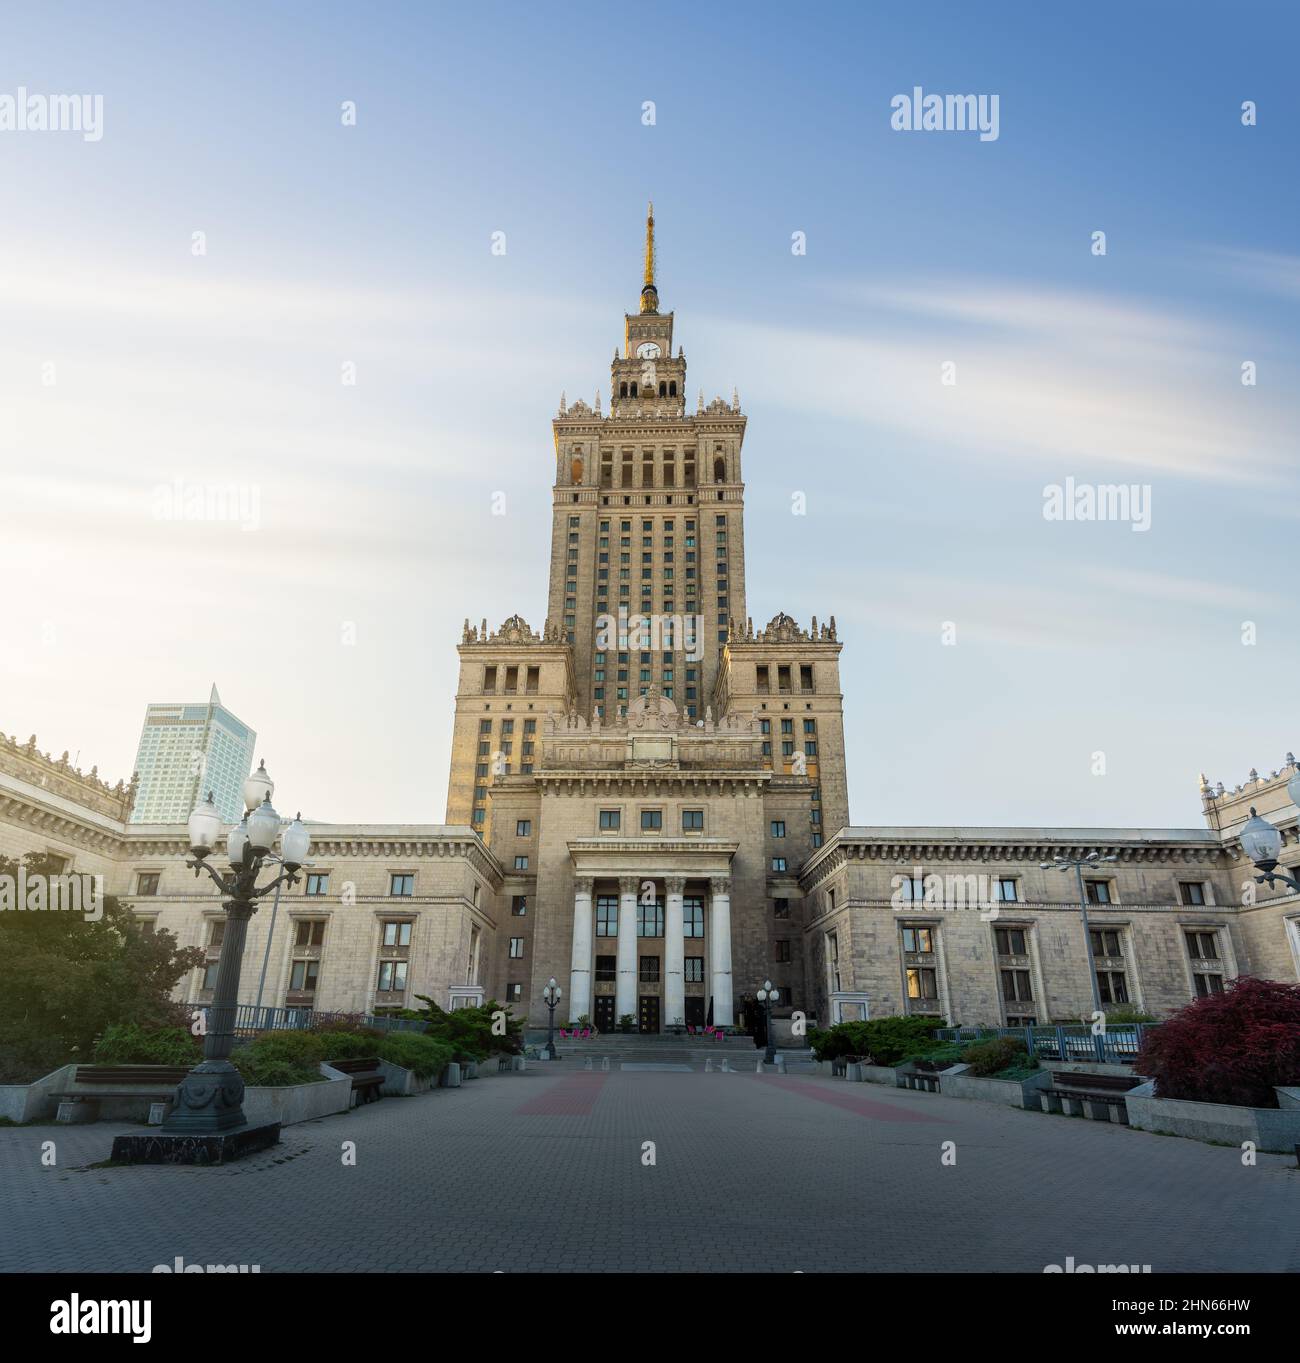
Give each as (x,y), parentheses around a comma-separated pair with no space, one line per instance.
(580,970)
(674,983)
(625,990)
(720,950)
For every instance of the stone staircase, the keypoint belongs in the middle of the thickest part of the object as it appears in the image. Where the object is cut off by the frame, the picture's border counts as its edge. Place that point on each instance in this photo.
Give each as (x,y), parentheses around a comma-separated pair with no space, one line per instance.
(636,1051)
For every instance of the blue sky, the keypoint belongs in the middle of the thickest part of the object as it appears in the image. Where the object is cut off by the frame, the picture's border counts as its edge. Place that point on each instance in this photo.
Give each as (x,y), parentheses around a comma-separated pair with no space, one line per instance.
(370,244)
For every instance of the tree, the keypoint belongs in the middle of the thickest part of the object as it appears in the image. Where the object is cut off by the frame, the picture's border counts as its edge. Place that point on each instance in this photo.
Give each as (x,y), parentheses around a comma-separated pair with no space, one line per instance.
(1234,1047)
(65,977)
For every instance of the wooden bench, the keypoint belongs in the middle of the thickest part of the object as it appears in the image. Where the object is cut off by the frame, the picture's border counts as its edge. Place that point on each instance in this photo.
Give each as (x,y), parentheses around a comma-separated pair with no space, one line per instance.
(928,1080)
(366,1080)
(1100,1096)
(153,1083)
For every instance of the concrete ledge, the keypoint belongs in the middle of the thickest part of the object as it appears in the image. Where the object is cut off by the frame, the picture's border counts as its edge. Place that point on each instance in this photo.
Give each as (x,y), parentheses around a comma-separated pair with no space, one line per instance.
(298,1102)
(34,1102)
(1009,1092)
(402,1083)
(1274,1129)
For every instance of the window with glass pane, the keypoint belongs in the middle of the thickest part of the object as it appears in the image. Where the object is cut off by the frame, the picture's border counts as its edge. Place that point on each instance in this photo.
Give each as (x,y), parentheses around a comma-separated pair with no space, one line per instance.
(310,932)
(402,884)
(1202,946)
(922,983)
(607,915)
(1011,941)
(918,939)
(650,919)
(392,975)
(692,916)
(397,934)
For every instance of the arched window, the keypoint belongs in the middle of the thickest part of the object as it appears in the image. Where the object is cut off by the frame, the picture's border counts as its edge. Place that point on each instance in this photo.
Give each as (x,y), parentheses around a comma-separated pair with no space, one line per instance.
(672,389)
(622,390)
(634,388)
(719,470)
(663,389)
(575,471)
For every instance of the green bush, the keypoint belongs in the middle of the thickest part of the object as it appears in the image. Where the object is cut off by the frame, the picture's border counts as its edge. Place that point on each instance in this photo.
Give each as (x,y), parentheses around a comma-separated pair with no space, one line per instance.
(268,1072)
(887,1041)
(349,1045)
(470,1032)
(988,1059)
(423,1055)
(936,1053)
(127,1043)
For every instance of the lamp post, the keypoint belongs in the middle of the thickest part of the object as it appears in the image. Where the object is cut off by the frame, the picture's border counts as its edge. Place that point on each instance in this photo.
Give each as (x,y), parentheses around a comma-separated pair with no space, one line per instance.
(1262,842)
(767,996)
(1060,863)
(551,995)
(210,1098)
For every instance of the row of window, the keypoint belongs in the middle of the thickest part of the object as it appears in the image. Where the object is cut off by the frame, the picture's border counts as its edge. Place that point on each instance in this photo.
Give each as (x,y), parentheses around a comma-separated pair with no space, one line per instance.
(401,884)
(1109,962)
(1005,888)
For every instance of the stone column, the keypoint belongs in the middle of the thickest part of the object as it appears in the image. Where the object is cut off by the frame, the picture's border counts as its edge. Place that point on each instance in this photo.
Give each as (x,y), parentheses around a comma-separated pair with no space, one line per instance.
(625,990)
(674,950)
(720,950)
(580,969)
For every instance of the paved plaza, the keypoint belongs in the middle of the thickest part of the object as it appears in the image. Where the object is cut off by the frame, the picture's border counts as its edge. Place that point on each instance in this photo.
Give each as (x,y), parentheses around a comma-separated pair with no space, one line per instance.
(546,1170)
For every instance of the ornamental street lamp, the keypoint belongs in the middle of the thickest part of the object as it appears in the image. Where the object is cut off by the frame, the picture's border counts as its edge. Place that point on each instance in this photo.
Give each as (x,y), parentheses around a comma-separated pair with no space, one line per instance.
(1262,842)
(210,1098)
(1060,863)
(767,996)
(551,995)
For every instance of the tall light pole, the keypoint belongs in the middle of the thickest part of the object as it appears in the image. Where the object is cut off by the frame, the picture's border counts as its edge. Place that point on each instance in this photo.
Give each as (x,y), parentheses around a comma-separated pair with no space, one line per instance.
(551,995)
(1060,863)
(209,1100)
(767,996)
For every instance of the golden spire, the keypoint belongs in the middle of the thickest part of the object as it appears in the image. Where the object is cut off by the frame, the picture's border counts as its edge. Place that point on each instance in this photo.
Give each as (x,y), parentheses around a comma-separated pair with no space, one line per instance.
(649,294)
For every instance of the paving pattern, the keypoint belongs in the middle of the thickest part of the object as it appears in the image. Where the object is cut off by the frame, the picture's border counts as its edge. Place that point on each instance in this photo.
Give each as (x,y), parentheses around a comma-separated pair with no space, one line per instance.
(549,1169)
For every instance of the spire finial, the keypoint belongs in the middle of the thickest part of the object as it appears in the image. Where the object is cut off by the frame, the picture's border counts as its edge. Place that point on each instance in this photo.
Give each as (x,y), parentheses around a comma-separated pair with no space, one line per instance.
(649,294)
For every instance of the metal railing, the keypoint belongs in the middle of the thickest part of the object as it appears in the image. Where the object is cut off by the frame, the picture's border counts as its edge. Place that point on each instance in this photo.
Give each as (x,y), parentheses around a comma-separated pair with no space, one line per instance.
(1117,1045)
(251,1019)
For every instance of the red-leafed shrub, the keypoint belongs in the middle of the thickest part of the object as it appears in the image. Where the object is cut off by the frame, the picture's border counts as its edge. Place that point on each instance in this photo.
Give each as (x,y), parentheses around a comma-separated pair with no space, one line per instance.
(1232,1047)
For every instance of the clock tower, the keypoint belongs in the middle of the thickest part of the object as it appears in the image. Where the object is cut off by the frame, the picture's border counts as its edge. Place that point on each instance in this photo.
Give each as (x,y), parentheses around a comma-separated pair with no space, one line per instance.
(648,525)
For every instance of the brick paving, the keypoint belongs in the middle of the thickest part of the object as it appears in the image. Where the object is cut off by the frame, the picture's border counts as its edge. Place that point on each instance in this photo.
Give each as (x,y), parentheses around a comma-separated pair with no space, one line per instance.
(543,1170)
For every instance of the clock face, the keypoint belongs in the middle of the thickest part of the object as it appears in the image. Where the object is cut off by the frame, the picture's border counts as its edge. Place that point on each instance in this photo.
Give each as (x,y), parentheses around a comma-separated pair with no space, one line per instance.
(647,350)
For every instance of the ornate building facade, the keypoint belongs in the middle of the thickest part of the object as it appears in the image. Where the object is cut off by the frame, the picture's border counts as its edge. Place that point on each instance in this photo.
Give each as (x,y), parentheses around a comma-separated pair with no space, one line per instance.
(648,802)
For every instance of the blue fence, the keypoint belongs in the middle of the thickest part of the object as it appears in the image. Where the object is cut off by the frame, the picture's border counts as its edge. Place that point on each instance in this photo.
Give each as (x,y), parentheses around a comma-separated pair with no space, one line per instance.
(1119,1044)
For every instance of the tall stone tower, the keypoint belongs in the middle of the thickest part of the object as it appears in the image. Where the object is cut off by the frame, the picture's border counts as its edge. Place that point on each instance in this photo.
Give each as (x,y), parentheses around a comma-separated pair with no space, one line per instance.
(647,530)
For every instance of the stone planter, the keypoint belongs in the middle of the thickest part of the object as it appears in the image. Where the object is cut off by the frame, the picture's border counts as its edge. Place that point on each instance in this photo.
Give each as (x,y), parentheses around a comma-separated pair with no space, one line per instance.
(879,1074)
(1276,1129)
(853,1073)
(33,1102)
(298,1102)
(469,1069)
(960,1083)
(402,1083)
(451,1076)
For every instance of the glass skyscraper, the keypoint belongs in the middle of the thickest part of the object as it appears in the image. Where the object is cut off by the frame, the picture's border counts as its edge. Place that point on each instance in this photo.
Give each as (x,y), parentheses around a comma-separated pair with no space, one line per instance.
(187,750)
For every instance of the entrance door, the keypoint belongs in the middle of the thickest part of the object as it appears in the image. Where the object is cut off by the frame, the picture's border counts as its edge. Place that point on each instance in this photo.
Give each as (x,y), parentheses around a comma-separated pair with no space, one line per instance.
(604,1012)
(649,1013)
(695,1010)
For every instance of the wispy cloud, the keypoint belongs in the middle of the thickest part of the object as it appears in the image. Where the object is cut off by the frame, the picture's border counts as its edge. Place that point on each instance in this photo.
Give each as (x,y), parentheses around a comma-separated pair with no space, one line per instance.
(1060,383)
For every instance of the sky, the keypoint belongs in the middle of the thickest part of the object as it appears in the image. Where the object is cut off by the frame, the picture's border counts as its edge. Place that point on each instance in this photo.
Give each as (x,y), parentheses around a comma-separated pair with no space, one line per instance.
(186,294)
